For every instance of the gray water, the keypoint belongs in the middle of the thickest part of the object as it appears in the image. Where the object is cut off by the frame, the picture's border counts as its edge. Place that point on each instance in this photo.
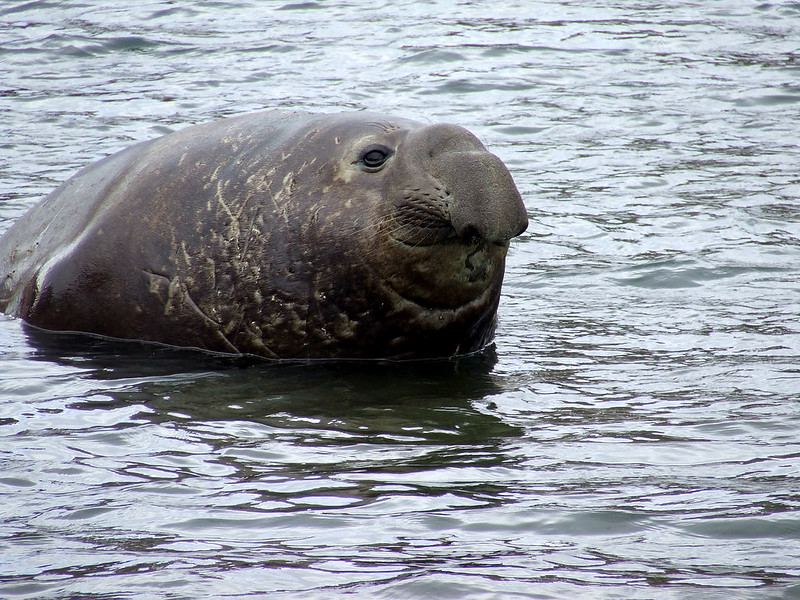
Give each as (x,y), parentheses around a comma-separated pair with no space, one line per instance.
(633,434)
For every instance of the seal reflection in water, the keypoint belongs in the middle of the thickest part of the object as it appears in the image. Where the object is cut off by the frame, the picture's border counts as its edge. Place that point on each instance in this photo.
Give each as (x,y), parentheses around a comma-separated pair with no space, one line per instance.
(280,234)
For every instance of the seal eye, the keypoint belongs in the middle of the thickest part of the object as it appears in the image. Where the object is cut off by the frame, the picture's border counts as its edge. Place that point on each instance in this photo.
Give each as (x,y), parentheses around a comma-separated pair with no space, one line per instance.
(373,157)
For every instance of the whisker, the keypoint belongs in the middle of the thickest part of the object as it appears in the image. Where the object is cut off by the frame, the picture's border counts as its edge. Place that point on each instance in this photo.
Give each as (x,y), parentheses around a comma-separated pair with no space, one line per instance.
(421,218)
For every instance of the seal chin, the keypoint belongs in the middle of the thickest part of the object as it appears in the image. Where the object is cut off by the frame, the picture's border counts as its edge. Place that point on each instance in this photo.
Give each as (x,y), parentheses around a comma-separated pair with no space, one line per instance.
(447,276)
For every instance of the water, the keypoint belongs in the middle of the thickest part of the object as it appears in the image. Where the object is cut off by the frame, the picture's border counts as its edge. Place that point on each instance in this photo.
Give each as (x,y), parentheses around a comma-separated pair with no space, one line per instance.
(634,434)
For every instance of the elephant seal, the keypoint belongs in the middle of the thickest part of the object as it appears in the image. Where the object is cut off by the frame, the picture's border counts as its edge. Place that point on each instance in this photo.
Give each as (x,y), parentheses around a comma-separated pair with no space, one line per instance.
(282,234)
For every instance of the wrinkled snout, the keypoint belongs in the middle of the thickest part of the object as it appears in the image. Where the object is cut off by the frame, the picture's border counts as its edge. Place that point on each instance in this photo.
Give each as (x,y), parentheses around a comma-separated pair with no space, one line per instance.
(485,201)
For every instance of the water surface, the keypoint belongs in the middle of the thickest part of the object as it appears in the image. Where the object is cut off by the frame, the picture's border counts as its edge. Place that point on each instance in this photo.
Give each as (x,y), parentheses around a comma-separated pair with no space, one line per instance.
(633,434)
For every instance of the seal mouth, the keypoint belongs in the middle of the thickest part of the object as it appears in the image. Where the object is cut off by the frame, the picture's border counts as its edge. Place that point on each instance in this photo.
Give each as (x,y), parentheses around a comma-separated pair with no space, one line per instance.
(440,308)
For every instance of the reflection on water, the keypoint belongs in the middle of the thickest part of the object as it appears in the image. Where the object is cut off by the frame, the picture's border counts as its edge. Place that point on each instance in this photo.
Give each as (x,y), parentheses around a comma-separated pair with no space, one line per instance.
(255,461)
(635,433)
(205,385)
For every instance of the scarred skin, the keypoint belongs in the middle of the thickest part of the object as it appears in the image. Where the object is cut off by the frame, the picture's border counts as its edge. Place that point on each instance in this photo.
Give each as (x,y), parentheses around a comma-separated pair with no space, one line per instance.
(280,234)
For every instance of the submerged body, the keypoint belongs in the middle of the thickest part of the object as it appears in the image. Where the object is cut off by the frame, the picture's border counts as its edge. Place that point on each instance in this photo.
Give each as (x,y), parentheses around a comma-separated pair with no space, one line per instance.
(279,234)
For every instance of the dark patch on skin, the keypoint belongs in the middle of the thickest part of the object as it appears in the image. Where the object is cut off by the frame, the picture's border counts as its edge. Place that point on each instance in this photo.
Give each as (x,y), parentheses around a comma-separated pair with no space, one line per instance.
(279,234)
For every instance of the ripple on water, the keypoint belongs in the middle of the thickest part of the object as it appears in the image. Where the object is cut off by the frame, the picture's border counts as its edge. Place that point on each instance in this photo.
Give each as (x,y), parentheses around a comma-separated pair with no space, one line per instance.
(635,434)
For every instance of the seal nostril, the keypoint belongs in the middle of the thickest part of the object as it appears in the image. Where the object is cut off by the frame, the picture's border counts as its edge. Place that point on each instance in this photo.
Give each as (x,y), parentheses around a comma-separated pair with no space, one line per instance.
(470,233)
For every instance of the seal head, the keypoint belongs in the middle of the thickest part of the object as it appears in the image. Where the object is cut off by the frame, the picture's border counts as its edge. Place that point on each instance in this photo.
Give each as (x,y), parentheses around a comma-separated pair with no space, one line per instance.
(285,235)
